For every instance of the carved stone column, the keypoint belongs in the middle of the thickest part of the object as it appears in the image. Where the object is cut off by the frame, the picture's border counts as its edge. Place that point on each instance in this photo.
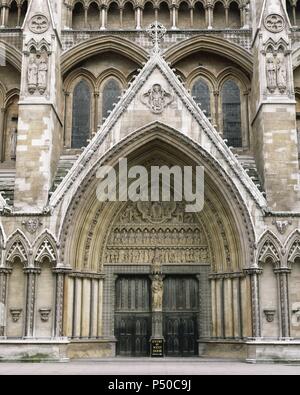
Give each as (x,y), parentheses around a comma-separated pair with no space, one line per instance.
(103,17)
(59,300)
(227,17)
(283,274)
(4,273)
(174,17)
(138,13)
(30,300)
(209,16)
(255,303)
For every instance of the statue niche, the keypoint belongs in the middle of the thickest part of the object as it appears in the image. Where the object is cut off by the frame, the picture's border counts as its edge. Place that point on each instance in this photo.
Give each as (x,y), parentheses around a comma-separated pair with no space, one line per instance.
(156,234)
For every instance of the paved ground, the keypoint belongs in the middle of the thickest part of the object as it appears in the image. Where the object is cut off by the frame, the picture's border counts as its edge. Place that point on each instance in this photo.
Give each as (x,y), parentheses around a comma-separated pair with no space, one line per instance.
(148,367)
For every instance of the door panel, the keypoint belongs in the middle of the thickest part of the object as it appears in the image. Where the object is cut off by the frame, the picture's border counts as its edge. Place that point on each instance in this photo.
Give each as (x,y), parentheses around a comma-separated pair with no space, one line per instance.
(181,335)
(133,335)
(181,306)
(133,318)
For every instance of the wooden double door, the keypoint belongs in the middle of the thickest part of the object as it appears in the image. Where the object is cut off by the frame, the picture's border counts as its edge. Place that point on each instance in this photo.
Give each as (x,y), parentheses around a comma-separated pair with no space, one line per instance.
(133,316)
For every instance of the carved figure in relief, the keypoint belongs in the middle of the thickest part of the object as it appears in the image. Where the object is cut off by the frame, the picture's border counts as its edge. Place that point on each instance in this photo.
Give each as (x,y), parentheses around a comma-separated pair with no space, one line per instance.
(32,74)
(157,293)
(271,74)
(281,75)
(42,74)
(13,143)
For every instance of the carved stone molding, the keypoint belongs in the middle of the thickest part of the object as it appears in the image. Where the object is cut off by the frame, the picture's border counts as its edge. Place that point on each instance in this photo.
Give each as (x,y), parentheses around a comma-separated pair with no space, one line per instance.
(39,24)
(274,23)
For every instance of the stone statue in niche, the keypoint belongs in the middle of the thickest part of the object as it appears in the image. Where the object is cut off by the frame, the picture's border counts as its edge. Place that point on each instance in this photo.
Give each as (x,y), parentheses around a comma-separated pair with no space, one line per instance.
(32,74)
(157,293)
(271,74)
(42,74)
(281,75)
(157,99)
(13,143)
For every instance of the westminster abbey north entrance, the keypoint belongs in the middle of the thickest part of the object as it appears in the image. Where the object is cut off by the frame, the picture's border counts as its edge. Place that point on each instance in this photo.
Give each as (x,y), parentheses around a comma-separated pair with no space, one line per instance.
(157,259)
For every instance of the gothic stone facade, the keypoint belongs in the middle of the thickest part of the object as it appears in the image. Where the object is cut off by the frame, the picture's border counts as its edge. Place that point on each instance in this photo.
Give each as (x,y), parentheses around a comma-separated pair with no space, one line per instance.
(83,84)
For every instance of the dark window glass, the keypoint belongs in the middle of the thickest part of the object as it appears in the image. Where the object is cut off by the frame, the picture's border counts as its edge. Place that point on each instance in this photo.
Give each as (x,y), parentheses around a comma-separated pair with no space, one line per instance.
(232,125)
(111,92)
(81,115)
(201,94)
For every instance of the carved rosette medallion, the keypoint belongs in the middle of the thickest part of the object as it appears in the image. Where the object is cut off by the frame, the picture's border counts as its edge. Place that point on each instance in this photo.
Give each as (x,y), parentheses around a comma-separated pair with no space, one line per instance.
(39,24)
(274,23)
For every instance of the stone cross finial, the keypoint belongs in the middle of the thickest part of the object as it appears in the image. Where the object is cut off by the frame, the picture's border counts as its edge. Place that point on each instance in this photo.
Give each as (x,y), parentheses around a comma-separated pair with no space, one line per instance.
(156,32)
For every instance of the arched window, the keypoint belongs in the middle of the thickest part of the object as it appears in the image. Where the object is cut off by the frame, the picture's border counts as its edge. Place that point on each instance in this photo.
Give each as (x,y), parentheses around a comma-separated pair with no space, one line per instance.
(297,12)
(234,16)
(164,14)
(93,16)
(232,119)
(78,16)
(24,10)
(219,20)
(81,123)
(148,14)
(184,19)
(13,15)
(128,16)
(199,16)
(290,12)
(201,93)
(110,95)
(113,16)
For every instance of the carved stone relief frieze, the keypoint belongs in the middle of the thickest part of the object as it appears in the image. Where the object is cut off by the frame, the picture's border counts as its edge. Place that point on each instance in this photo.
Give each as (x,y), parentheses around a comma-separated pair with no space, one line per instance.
(156,233)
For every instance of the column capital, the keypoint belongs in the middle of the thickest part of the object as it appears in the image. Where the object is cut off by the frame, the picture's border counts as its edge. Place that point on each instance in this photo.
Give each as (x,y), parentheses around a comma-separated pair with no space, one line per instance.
(253,270)
(282,270)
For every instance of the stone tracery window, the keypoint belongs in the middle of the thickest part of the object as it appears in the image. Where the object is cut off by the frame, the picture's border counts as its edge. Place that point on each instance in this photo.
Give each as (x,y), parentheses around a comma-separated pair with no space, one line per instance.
(202,95)
(81,121)
(232,118)
(110,94)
